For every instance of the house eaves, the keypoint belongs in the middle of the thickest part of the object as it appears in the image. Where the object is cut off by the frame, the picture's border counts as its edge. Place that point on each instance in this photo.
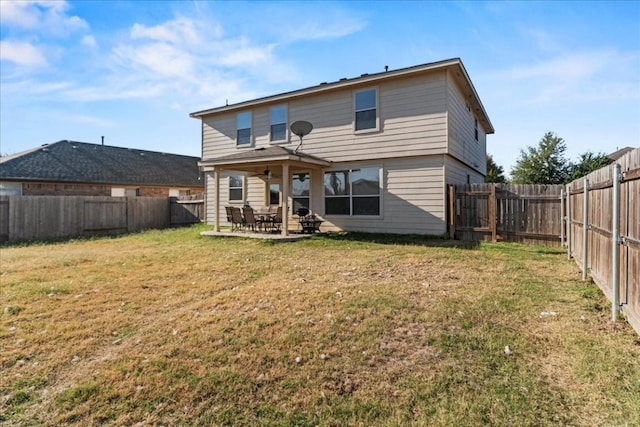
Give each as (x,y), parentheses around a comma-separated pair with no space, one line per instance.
(454,64)
(265,155)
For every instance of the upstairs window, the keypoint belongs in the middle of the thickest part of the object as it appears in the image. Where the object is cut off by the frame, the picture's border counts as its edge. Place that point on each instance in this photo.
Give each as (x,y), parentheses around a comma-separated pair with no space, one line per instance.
(243,126)
(476,127)
(366,109)
(352,192)
(236,188)
(278,120)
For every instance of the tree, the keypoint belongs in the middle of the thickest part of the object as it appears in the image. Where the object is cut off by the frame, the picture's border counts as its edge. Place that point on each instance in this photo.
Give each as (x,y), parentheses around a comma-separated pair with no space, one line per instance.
(495,172)
(587,163)
(544,164)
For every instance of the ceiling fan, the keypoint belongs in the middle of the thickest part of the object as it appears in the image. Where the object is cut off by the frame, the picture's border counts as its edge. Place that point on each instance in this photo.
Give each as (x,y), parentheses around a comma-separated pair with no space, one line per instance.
(265,174)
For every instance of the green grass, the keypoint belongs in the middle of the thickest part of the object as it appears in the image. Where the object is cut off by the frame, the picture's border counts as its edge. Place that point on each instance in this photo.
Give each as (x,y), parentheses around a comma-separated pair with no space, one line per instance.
(170,328)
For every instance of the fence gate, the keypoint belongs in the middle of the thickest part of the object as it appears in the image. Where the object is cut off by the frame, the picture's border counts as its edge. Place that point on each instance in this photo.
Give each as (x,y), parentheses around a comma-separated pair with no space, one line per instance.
(527,213)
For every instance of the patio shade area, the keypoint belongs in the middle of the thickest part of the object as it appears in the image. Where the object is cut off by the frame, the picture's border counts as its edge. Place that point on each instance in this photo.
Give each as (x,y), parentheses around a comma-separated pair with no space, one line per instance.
(278,160)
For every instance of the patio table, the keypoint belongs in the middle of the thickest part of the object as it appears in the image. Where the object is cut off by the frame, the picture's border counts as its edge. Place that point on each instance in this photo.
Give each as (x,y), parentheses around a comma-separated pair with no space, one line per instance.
(267,218)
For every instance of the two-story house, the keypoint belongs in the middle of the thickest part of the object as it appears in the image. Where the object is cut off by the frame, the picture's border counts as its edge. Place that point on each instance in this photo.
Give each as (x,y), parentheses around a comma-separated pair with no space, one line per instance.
(382,150)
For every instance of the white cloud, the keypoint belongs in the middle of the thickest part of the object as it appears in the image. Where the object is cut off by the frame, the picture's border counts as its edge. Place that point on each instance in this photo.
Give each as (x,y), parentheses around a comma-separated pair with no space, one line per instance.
(22,14)
(22,53)
(251,55)
(49,17)
(571,66)
(160,58)
(177,31)
(307,23)
(89,41)
(601,75)
(184,60)
(114,90)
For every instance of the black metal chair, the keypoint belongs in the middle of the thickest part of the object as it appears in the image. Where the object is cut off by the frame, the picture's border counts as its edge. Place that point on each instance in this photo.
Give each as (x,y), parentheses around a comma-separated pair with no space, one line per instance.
(237,222)
(276,221)
(250,220)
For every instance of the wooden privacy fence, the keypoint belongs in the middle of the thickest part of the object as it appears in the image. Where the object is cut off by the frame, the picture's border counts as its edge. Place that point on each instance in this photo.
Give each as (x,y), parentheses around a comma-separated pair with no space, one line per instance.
(608,247)
(187,209)
(53,217)
(511,212)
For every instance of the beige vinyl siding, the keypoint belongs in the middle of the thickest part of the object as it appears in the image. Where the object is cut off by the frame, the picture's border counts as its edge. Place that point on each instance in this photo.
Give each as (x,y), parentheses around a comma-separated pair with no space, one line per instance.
(412,199)
(461,128)
(255,192)
(456,172)
(412,112)
(219,135)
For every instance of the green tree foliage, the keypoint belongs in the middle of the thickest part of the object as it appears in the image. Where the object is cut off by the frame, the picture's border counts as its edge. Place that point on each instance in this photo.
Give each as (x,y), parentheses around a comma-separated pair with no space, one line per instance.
(544,164)
(495,172)
(587,163)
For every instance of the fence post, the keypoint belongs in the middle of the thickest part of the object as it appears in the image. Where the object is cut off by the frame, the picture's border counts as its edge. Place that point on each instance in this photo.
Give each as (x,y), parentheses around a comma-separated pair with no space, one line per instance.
(492,213)
(585,228)
(615,242)
(568,222)
(452,211)
(562,218)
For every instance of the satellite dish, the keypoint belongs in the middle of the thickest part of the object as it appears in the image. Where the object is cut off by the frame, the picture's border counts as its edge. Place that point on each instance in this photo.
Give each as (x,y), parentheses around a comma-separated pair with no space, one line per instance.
(301,128)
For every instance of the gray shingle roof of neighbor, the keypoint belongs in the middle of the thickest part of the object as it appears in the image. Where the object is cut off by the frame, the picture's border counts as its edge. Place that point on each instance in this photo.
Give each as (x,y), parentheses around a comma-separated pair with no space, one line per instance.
(81,162)
(619,153)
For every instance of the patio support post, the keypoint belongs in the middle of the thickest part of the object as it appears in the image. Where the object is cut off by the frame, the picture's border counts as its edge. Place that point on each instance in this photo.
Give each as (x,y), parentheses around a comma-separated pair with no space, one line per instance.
(216,180)
(285,199)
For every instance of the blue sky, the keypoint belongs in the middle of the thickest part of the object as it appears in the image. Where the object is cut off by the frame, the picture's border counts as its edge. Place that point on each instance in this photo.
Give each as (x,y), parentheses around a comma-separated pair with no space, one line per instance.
(134,70)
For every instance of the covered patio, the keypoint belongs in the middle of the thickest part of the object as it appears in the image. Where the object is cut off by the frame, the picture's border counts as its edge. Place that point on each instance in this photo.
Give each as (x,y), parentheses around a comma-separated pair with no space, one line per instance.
(265,164)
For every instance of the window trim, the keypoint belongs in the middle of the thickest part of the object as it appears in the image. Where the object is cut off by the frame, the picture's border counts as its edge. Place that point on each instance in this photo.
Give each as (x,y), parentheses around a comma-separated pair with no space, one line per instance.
(267,192)
(350,169)
(476,129)
(242,188)
(285,140)
(251,141)
(377,97)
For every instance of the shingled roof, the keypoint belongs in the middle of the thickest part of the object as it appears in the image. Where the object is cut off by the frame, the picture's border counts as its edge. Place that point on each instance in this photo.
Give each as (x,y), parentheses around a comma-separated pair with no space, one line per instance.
(81,162)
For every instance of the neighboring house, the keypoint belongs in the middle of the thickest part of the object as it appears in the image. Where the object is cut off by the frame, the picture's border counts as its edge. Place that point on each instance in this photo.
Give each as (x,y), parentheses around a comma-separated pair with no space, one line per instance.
(383,148)
(70,168)
(616,155)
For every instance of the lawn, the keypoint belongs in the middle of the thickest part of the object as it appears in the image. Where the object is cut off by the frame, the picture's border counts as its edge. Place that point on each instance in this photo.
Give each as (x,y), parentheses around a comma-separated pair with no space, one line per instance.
(171,328)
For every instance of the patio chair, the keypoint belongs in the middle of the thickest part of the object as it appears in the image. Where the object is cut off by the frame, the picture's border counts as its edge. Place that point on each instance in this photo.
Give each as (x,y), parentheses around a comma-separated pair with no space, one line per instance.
(237,222)
(276,221)
(229,214)
(250,220)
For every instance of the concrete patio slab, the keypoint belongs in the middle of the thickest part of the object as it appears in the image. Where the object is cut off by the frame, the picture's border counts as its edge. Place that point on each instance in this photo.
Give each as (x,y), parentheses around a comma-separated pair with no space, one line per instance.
(260,236)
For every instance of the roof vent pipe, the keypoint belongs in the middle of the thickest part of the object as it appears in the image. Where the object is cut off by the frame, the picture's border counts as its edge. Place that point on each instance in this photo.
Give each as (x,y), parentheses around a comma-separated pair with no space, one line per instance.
(386,68)
(102,137)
